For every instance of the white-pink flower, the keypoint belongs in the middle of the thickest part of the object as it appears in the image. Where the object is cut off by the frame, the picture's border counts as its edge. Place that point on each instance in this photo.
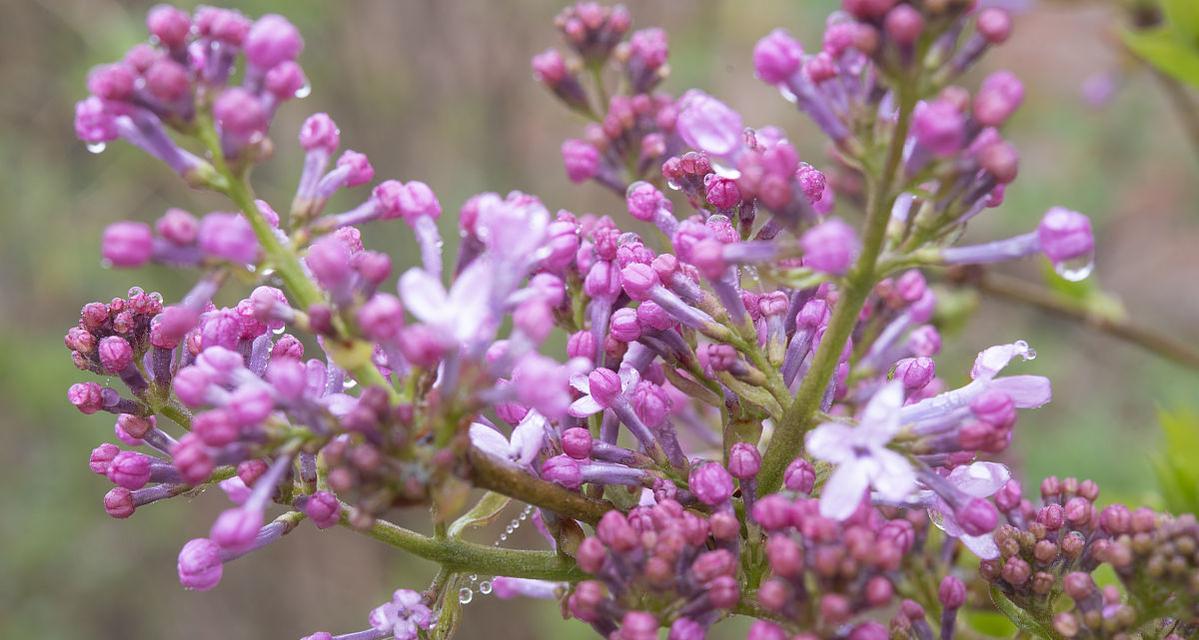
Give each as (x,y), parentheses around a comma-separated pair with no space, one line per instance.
(861,455)
(518,450)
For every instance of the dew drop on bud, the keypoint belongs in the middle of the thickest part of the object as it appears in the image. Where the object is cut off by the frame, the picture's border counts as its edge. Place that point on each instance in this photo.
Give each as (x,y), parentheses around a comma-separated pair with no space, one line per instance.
(1076,269)
(97,147)
(673,185)
(304,91)
(465,595)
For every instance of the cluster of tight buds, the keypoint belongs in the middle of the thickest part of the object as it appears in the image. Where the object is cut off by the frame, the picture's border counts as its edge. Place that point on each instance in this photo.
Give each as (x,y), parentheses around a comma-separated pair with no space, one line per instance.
(748,416)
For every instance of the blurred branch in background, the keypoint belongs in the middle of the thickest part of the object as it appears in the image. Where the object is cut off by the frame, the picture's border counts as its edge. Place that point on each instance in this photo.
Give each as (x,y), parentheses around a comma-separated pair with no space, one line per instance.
(1112,322)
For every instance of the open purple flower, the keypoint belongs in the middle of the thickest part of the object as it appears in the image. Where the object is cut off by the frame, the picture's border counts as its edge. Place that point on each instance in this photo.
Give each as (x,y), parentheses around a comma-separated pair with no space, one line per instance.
(862,457)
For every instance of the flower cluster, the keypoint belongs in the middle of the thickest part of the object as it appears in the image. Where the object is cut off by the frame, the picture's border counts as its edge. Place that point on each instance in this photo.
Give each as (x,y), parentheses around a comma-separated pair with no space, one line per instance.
(748,413)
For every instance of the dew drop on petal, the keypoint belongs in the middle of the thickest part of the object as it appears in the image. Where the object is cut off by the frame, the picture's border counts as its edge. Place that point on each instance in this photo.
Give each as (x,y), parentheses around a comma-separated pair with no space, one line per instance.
(1075,269)
(350,383)
(97,147)
(465,595)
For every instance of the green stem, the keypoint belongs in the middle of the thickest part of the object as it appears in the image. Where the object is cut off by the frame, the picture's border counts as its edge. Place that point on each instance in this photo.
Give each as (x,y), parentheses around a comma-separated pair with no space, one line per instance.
(789,433)
(354,356)
(467,557)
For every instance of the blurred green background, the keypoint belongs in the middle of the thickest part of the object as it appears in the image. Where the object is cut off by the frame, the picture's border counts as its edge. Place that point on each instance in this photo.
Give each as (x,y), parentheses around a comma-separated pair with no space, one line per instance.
(441,92)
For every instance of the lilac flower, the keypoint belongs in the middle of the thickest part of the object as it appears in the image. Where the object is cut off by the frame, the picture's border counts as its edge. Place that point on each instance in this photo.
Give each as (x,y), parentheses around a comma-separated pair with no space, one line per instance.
(977,480)
(458,315)
(600,388)
(521,449)
(709,125)
(862,457)
(404,616)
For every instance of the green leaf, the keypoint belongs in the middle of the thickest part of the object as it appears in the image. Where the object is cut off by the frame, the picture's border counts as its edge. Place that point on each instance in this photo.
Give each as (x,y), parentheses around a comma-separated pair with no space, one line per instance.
(484,512)
(989,623)
(1168,53)
(1019,617)
(1177,474)
(1182,17)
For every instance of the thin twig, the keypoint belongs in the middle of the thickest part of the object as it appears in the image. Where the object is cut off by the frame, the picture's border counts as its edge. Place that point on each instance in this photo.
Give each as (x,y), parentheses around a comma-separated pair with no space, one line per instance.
(1016,289)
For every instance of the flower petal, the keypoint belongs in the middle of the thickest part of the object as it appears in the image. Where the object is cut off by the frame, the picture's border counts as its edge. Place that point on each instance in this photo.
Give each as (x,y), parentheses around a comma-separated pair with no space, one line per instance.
(629,377)
(1028,392)
(424,296)
(584,407)
(893,477)
(581,383)
(831,442)
(842,493)
(880,418)
(489,441)
(980,479)
(527,438)
(983,546)
(992,360)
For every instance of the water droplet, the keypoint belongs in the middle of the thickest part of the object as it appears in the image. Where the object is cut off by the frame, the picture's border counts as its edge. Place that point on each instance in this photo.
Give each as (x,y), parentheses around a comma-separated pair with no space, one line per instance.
(788,95)
(485,587)
(508,530)
(504,537)
(280,330)
(673,185)
(474,577)
(1031,354)
(524,516)
(350,383)
(304,91)
(97,147)
(465,595)
(1075,269)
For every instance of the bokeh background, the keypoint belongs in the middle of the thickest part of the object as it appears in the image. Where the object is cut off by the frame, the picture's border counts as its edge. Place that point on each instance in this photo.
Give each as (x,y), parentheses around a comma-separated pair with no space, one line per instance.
(441,92)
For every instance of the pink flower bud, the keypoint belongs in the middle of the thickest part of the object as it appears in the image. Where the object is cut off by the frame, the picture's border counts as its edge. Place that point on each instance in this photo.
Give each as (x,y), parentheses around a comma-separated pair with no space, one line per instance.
(200,565)
(127,244)
(777,56)
(829,247)
(272,39)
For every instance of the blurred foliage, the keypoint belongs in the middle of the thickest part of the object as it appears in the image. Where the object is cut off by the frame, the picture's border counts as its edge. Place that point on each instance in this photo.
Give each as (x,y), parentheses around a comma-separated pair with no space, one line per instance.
(1177,473)
(1172,47)
(441,91)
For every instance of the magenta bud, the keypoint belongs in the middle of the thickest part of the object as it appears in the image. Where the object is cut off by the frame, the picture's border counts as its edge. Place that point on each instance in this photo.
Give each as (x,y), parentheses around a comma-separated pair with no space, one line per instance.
(236,528)
(938,125)
(952,592)
(1065,235)
(240,114)
(785,556)
(711,484)
(320,132)
(800,476)
(228,236)
(200,565)
(624,325)
(324,509)
(127,244)
(382,317)
(581,160)
(272,39)
(577,442)
(644,200)
(102,457)
(995,25)
(169,25)
(915,373)
(115,354)
(777,56)
(591,555)
(111,81)
(178,227)
(904,24)
(358,166)
(615,532)
(977,517)
(639,280)
(744,461)
(167,80)
(118,503)
(562,470)
(130,470)
(329,260)
(997,99)
(829,247)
